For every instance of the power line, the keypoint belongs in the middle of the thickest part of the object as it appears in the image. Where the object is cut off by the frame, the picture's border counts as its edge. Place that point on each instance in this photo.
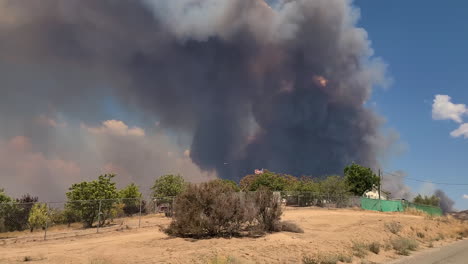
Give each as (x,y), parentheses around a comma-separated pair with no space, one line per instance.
(438,183)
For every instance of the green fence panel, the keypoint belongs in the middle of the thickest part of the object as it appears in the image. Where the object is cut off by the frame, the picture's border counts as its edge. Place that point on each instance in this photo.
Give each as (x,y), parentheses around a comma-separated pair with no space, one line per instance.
(397,206)
(392,206)
(431,210)
(370,204)
(381,205)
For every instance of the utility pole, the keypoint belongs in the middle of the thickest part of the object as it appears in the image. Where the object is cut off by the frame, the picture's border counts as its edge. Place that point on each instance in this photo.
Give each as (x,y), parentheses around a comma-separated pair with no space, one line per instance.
(380,183)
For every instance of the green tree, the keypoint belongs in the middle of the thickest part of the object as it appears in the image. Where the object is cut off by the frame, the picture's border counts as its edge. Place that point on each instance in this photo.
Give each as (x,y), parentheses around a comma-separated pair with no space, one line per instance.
(131,198)
(306,185)
(4,198)
(360,179)
(14,213)
(168,186)
(4,208)
(270,180)
(38,216)
(334,186)
(84,198)
(427,200)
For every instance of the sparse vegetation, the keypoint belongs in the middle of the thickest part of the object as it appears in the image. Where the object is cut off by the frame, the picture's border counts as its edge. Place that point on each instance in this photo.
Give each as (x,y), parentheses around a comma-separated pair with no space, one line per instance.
(440,236)
(403,246)
(393,227)
(291,227)
(223,260)
(420,235)
(359,249)
(27,258)
(374,247)
(327,259)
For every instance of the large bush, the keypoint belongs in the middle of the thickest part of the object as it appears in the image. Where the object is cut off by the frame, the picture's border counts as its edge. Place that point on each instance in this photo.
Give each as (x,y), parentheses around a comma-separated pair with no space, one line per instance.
(83,198)
(216,209)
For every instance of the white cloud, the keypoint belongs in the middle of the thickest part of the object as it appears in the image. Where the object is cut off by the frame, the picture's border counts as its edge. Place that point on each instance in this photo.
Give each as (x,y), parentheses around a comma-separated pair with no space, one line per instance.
(444,109)
(117,128)
(465,196)
(461,131)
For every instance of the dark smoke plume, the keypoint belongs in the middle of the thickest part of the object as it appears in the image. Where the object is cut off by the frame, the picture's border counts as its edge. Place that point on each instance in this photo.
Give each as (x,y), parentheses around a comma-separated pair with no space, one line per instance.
(281,88)
(446,204)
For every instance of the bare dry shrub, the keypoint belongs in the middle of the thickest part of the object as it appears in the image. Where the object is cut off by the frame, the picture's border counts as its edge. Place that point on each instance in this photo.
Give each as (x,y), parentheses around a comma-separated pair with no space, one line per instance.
(291,227)
(393,227)
(214,209)
(359,249)
(269,211)
(374,247)
(403,246)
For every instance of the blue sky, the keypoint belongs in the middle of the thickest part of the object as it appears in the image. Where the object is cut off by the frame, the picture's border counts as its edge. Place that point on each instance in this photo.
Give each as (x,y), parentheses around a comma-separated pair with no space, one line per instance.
(424,43)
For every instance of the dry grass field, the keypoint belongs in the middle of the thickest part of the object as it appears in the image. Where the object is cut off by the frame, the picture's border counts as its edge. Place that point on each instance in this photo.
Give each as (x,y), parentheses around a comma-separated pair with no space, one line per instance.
(331,235)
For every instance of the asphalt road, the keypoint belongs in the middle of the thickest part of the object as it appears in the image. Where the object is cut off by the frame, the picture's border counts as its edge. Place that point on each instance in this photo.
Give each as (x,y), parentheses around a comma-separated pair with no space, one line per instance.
(456,253)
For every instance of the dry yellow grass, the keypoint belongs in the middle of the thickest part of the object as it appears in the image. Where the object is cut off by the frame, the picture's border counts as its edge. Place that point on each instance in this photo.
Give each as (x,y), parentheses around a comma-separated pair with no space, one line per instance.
(331,232)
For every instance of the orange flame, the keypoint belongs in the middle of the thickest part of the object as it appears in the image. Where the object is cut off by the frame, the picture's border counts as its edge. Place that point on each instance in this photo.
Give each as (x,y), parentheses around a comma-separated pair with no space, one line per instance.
(320,80)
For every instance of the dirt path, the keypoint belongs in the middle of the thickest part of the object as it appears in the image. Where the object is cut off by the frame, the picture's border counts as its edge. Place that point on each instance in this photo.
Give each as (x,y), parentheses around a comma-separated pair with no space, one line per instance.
(455,253)
(330,231)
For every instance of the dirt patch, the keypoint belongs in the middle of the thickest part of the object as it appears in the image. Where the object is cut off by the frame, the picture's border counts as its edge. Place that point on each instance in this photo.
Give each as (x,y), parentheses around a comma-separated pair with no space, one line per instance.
(332,232)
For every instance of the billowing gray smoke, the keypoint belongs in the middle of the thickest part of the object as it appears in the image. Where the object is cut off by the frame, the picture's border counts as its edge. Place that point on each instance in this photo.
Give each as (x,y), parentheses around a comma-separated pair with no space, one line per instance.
(252,86)
(445,202)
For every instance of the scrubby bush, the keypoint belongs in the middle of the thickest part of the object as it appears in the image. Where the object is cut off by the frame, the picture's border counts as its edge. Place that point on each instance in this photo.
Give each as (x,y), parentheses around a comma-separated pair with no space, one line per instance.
(359,249)
(403,246)
(393,227)
(268,209)
(291,227)
(327,259)
(216,209)
(374,247)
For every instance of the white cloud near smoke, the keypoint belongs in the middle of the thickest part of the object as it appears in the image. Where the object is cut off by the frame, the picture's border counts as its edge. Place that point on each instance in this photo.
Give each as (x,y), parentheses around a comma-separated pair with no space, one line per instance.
(116,128)
(461,131)
(465,196)
(444,109)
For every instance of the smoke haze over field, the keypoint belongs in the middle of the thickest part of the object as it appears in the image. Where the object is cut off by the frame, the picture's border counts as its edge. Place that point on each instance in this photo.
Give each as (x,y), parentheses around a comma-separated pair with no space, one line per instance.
(236,81)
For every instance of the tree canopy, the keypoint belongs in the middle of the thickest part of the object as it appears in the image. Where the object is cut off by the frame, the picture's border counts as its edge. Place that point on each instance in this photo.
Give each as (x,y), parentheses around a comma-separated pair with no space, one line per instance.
(83,197)
(360,179)
(426,200)
(168,186)
(270,180)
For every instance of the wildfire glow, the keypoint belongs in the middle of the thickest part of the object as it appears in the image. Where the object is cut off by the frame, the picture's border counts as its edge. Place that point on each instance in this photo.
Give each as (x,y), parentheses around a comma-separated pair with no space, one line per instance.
(320,80)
